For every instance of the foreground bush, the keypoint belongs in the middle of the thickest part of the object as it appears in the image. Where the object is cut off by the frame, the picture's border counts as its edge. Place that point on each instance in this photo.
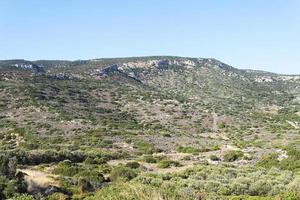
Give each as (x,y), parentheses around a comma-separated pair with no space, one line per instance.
(283,196)
(225,182)
(22,197)
(10,181)
(136,191)
(58,196)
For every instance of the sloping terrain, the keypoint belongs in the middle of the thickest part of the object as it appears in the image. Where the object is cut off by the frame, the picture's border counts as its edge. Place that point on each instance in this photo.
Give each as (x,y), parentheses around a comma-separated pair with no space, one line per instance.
(87,119)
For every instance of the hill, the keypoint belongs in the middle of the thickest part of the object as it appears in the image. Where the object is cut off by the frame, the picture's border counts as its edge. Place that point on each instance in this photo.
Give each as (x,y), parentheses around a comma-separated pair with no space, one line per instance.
(194,125)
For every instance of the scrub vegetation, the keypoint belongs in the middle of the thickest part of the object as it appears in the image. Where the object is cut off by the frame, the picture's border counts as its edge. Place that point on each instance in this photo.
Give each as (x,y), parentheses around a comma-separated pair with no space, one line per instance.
(161,128)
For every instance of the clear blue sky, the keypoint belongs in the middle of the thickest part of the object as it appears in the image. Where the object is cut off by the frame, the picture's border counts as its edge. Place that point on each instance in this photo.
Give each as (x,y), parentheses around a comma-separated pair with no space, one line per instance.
(257,34)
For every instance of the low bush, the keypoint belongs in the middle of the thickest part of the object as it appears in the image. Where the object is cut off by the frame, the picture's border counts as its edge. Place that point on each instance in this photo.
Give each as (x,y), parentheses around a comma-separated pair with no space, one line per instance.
(194,150)
(95,178)
(188,149)
(22,197)
(231,156)
(168,163)
(149,159)
(292,162)
(137,191)
(66,168)
(133,165)
(268,161)
(123,173)
(58,196)
(213,157)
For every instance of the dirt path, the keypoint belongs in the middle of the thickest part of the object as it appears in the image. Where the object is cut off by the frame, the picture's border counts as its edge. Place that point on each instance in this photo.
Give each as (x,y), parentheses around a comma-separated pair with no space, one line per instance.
(36,179)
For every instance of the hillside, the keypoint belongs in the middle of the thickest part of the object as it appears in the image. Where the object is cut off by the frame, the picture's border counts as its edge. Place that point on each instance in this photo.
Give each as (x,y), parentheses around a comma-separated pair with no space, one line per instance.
(196,126)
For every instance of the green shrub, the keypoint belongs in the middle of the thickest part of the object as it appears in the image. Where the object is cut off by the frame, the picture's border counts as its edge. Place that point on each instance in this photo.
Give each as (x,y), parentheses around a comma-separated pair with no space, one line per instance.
(167,135)
(94,177)
(187,158)
(212,186)
(149,159)
(251,198)
(133,165)
(240,185)
(289,196)
(224,190)
(187,149)
(66,168)
(231,156)
(90,161)
(106,144)
(292,162)
(121,172)
(193,150)
(268,161)
(168,163)
(144,147)
(260,188)
(214,157)
(57,196)
(22,197)
(137,191)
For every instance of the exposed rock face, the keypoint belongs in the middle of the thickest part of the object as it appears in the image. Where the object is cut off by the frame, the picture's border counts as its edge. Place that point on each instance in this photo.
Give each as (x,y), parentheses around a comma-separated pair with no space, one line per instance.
(110,69)
(159,63)
(105,71)
(261,79)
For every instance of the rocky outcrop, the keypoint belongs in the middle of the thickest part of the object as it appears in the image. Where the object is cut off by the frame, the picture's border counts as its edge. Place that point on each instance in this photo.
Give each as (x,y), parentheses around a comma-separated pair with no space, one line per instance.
(159,63)
(21,65)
